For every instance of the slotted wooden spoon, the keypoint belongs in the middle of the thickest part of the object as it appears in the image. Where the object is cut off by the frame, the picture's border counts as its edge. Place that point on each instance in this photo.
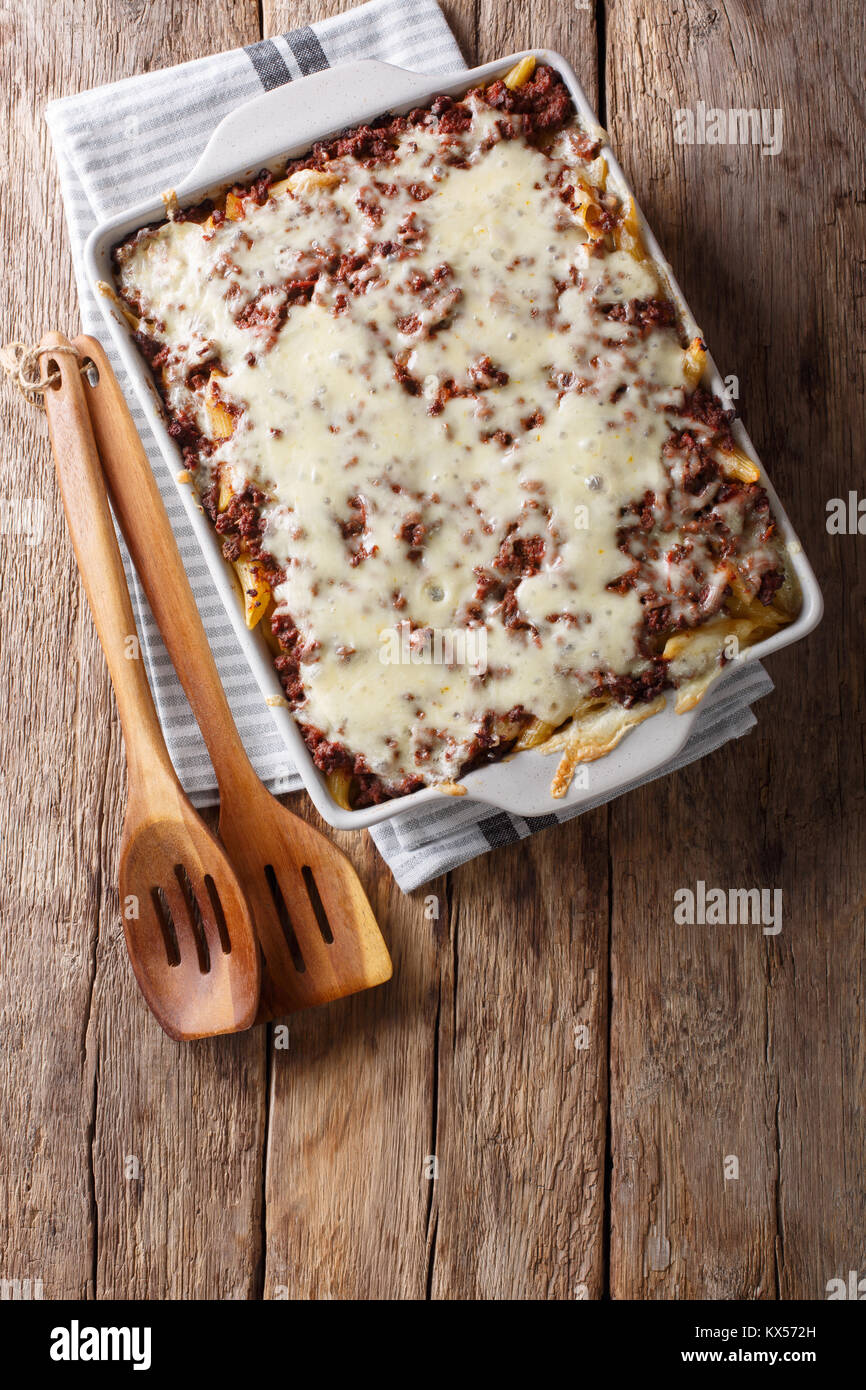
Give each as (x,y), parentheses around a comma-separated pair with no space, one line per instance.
(317,930)
(188,928)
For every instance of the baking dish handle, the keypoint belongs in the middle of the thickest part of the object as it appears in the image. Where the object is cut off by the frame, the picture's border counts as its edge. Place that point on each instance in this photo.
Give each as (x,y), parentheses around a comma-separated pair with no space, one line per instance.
(291,116)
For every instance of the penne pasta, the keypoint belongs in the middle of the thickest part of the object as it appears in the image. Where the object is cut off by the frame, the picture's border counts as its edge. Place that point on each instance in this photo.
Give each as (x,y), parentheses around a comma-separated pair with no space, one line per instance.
(738,465)
(221,422)
(595,733)
(741,601)
(305,181)
(535,733)
(696,656)
(520,73)
(596,172)
(764,616)
(689,648)
(256,589)
(590,213)
(691,692)
(340,786)
(226,493)
(234,208)
(695,362)
(450,788)
(628,235)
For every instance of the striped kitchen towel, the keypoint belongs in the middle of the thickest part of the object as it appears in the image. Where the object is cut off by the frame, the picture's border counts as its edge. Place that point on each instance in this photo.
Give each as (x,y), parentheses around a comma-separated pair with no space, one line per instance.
(118,144)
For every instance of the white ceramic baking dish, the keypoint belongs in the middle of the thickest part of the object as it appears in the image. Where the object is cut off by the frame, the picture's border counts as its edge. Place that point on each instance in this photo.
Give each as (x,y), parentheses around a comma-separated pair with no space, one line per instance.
(263,133)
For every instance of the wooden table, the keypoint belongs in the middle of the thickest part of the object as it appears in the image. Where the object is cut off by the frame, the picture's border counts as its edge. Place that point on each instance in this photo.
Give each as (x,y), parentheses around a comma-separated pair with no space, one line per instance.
(583,1069)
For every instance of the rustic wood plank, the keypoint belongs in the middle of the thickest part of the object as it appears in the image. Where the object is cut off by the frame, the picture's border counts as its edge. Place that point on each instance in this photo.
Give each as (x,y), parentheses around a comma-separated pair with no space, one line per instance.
(351,1115)
(727,1042)
(689,1086)
(132,1165)
(522,1068)
(518,1210)
(60,756)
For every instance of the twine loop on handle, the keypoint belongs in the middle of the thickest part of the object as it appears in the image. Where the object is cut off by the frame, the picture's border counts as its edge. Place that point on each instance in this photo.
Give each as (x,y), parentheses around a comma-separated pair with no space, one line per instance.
(23,367)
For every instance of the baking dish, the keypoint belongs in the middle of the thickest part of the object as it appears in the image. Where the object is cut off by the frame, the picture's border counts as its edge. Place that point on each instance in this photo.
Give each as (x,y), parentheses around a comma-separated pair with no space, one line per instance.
(263,133)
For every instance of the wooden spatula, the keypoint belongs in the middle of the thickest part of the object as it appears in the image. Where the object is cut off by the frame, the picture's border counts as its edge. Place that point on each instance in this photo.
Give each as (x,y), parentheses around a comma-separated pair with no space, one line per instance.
(317,930)
(188,928)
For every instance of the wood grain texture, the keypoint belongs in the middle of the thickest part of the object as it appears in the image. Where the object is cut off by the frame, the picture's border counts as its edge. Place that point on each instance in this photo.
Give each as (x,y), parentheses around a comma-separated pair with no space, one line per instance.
(237,1168)
(90,1080)
(56,851)
(351,1116)
(522,1073)
(726,1041)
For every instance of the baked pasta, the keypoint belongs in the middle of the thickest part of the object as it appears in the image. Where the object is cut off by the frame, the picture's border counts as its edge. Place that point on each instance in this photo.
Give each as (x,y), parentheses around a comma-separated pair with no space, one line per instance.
(442,412)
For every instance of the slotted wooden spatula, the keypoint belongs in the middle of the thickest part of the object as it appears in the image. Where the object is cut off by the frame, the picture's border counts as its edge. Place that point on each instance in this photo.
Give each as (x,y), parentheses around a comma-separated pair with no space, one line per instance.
(188,929)
(317,930)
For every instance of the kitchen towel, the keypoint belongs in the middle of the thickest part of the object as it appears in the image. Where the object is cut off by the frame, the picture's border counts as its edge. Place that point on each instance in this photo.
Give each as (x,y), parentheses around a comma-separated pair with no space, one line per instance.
(117,145)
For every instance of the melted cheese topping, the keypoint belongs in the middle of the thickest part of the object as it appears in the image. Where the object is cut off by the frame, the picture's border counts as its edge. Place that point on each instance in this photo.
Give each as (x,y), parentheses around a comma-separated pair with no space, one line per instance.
(456,402)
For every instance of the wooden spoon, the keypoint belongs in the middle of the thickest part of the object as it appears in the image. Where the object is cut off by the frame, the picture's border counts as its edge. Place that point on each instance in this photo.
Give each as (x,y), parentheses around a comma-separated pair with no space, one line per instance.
(317,930)
(188,929)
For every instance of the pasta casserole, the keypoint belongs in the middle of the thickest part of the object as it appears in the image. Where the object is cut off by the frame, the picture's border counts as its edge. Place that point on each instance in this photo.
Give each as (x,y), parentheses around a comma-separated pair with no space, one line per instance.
(442,411)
